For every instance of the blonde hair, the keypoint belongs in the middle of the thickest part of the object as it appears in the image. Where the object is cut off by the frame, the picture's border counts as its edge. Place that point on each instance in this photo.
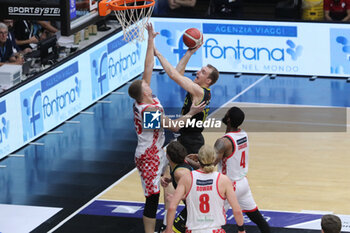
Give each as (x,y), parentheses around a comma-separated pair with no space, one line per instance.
(207,157)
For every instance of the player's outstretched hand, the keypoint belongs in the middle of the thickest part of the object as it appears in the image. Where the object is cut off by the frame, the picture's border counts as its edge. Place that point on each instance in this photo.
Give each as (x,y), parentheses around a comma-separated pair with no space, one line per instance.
(193,50)
(164,181)
(197,108)
(192,159)
(151,33)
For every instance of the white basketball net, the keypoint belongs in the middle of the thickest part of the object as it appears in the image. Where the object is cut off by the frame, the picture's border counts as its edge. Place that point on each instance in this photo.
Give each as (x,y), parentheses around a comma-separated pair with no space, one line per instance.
(133,21)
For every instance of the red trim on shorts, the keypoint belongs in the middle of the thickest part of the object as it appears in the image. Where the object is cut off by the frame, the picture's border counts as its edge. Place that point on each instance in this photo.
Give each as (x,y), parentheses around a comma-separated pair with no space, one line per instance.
(234,185)
(220,230)
(224,213)
(153,151)
(217,186)
(150,194)
(248,211)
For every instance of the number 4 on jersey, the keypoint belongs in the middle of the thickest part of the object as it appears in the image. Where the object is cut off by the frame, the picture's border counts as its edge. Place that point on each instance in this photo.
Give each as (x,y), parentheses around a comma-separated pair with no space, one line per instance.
(242,163)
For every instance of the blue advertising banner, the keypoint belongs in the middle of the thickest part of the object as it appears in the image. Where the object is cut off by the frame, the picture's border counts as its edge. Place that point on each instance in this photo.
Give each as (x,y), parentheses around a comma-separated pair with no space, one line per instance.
(4,128)
(259,47)
(340,50)
(115,63)
(252,30)
(56,96)
(72,9)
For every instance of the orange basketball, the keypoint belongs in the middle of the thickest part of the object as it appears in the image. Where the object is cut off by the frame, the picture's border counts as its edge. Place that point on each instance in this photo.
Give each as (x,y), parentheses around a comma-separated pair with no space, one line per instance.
(192,38)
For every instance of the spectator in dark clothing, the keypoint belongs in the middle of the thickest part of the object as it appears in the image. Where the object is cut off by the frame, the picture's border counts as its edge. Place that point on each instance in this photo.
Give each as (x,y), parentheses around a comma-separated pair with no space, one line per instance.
(182,8)
(161,8)
(6,52)
(24,34)
(11,37)
(225,8)
(337,10)
(47,26)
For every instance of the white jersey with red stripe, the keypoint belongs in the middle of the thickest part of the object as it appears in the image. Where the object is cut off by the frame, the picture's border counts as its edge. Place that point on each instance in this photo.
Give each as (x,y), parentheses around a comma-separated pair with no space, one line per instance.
(235,166)
(205,205)
(149,137)
(150,157)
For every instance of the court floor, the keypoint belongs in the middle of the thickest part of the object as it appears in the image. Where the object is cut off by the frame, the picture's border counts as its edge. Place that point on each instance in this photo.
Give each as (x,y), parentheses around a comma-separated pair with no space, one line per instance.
(298,155)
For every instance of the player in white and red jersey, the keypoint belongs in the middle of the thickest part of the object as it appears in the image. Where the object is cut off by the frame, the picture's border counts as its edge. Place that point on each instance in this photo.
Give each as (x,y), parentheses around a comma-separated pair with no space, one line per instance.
(150,157)
(204,202)
(149,148)
(233,159)
(205,192)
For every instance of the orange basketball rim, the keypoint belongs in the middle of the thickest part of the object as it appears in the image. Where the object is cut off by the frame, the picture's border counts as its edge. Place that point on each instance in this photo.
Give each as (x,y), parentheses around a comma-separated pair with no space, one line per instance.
(106,6)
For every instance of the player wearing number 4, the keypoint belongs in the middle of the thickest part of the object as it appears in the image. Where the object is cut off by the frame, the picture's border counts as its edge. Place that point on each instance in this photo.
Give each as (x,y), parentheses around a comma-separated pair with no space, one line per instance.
(150,157)
(233,154)
(205,192)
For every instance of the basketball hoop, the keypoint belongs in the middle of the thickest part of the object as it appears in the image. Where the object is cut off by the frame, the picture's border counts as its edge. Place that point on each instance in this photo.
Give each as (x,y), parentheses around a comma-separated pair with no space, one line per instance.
(132,15)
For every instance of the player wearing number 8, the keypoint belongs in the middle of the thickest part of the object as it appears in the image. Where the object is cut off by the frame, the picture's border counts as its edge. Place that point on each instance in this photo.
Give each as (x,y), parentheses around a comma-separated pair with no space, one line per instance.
(205,192)
(233,156)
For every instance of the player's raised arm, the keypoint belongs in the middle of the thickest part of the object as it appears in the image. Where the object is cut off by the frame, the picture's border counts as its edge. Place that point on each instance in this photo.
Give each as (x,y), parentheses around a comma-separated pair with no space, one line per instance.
(181,66)
(184,82)
(149,61)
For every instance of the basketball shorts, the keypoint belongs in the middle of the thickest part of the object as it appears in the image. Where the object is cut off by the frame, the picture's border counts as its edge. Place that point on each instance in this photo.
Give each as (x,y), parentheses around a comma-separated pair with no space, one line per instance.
(192,142)
(180,222)
(151,167)
(208,230)
(244,196)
